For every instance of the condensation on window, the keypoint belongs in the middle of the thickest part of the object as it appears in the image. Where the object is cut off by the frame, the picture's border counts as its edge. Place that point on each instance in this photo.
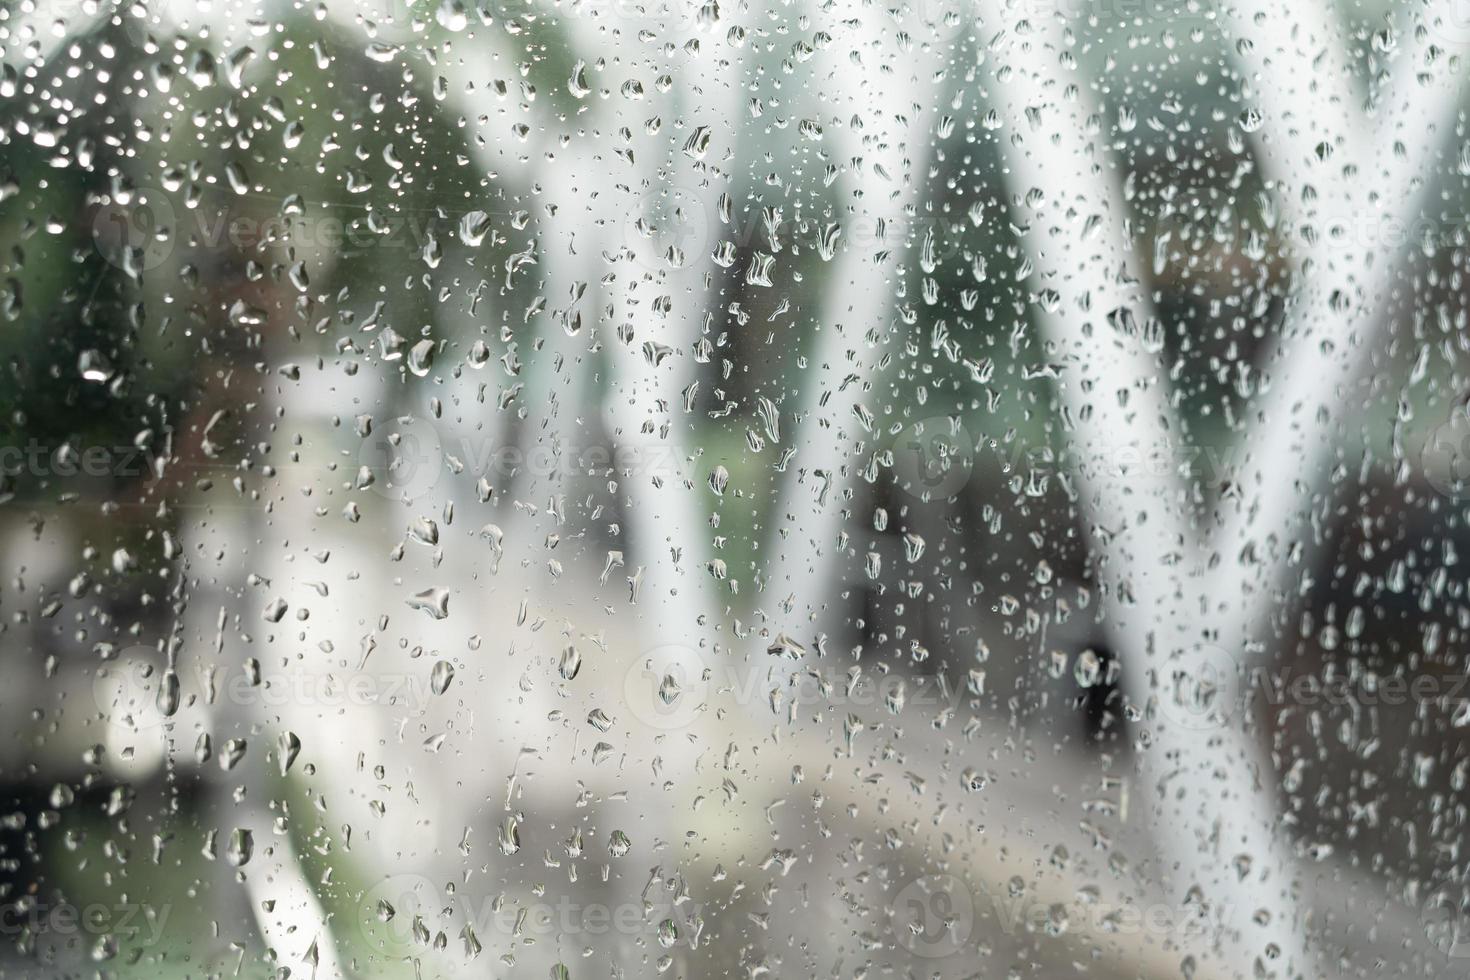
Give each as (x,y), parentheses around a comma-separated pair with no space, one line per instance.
(752,489)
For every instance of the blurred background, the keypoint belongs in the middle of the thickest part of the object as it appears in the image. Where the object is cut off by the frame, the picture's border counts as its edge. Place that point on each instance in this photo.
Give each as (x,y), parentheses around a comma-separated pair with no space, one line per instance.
(946,488)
